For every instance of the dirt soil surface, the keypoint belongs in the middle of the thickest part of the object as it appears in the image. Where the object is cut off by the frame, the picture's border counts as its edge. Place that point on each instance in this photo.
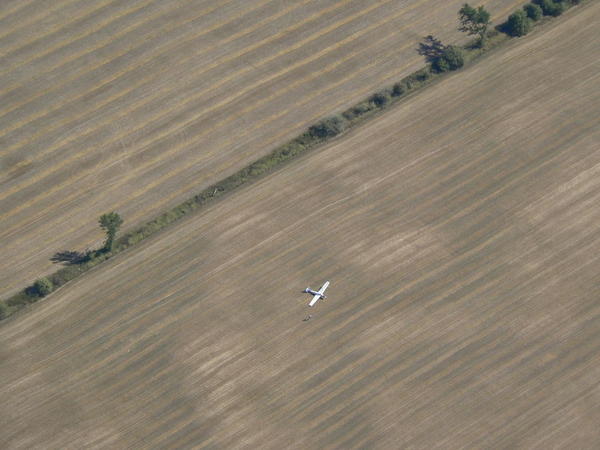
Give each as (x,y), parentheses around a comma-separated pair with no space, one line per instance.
(461,235)
(136,105)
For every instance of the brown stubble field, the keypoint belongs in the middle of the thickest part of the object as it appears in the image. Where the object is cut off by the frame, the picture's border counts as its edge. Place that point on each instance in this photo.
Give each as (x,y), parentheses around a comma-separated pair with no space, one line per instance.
(460,232)
(135,106)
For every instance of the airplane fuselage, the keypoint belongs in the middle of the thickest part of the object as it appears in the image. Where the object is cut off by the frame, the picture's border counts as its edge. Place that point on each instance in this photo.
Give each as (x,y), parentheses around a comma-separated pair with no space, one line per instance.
(311,292)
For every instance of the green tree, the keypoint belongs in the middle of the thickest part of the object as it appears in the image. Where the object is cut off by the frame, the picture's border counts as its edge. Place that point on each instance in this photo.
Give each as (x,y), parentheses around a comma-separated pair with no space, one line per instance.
(110,223)
(451,58)
(43,286)
(550,7)
(518,24)
(474,21)
(534,12)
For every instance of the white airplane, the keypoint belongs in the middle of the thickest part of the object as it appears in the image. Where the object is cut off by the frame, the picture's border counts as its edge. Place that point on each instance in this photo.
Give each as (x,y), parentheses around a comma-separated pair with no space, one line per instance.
(317,295)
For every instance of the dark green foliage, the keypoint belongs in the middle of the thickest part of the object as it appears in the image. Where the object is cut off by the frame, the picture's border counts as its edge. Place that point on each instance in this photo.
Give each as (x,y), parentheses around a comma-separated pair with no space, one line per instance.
(329,127)
(398,89)
(110,223)
(43,287)
(518,24)
(358,110)
(534,12)
(452,58)
(379,99)
(549,7)
(474,21)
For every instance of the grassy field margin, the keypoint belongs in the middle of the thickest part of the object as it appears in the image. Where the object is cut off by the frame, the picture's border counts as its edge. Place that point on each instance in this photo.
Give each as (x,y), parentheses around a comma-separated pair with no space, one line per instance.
(316,135)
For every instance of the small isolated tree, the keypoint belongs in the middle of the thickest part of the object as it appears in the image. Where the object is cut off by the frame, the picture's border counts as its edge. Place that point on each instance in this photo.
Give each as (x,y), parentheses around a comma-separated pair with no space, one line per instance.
(518,24)
(43,286)
(474,21)
(534,12)
(450,59)
(110,223)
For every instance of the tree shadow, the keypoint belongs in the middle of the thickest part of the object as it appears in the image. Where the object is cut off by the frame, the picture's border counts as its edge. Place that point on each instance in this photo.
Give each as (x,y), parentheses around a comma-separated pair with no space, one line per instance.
(70,257)
(431,48)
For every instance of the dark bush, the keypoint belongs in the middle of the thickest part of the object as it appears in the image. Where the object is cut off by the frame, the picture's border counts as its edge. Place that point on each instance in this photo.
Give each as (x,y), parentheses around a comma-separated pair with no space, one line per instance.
(518,24)
(357,111)
(398,89)
(329,127)
(534,12)
(379,99)
(43,286)
(550,7)
(451,59)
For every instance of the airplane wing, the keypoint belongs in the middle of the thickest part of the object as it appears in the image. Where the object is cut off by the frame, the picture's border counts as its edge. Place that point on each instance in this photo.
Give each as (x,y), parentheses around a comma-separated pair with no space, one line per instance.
(322,290)
(314,300)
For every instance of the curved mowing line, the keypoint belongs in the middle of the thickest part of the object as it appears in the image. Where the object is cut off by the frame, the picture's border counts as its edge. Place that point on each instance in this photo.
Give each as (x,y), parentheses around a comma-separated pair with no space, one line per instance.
(145,80)
(111,41)
(174,149)
(212,87)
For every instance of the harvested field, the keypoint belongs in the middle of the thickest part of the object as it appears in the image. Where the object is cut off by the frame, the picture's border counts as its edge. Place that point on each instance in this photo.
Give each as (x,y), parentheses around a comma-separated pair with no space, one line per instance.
(460,232)
(134,105)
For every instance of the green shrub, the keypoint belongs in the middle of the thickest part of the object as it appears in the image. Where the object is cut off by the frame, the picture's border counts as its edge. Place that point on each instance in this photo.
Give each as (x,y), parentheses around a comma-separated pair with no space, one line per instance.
(43,286)
(421,75)
(452,58)
(358,110)
(398,89)
(518,24)
(534,12)
(329,127)
(68,273)
(379,99)
(21,299)
(549,7)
